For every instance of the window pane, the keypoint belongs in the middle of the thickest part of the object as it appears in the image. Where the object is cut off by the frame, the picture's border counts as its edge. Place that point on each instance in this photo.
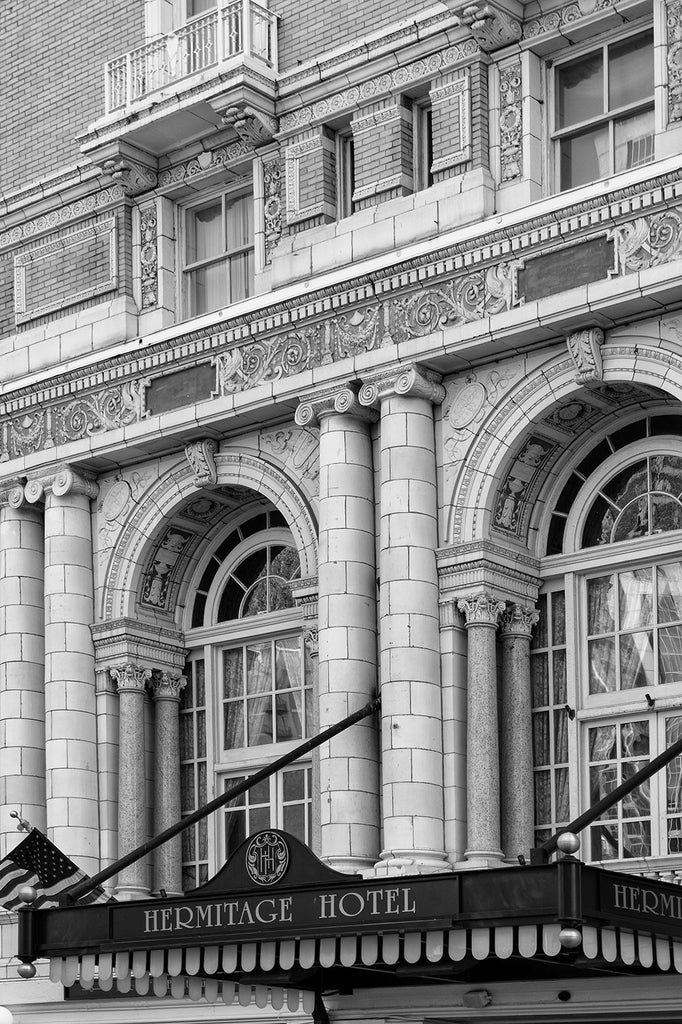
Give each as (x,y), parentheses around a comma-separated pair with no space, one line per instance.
(209,289)
(540,680)
(239,223)
(631,71)
(670,654)
(543,798)
(293,821)
(560,693)
(288,707)
(634,140)
(636,839)
(204,233)
(637,660)
(561,783)
(666,514)
(559,617)
(288,663)
(600,605)
(580,89)
(584,157)
(635,598)
(241,276)
(233,680)
(293,785)
(602,662)
(258,668)
(539,636)
(541,737)
(560,735)
(259,724)
(604,842)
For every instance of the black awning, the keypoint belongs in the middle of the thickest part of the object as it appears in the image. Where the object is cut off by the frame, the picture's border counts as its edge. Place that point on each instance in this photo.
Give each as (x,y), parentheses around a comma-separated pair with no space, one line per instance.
(276,922)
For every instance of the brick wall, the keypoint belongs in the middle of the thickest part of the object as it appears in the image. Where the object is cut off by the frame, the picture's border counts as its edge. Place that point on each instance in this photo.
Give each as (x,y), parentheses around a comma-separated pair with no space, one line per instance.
(53,86)
(309,29)
(382,134)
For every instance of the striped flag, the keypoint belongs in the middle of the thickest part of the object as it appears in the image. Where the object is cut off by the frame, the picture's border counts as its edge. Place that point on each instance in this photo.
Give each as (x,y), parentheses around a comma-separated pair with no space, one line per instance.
(37,862)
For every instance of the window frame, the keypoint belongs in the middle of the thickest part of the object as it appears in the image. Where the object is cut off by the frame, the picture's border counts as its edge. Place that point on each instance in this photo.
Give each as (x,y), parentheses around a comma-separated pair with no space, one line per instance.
(422,144)
(608,117)
(230,194)
(344,148)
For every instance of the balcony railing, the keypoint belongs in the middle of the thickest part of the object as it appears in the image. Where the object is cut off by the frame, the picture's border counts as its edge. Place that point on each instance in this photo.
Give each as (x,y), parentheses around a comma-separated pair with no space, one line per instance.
(237,28)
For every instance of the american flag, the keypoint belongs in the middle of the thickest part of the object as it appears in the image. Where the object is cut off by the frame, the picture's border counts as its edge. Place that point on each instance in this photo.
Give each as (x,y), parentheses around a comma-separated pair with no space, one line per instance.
(37,862)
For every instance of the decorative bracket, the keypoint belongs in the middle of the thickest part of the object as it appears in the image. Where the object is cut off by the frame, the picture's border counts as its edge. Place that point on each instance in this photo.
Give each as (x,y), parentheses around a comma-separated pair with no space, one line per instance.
(252,126)
(201,457)
(491,27)
(585,351)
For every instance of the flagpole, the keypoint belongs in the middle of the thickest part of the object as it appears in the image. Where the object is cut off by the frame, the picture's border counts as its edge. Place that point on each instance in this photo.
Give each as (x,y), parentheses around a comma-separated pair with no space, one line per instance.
(78,890)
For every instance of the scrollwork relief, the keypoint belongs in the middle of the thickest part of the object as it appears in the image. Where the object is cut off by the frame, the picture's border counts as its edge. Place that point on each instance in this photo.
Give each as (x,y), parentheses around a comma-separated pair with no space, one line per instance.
(149,260)
(648,241)
(511,122)
(674,59)
(273,182)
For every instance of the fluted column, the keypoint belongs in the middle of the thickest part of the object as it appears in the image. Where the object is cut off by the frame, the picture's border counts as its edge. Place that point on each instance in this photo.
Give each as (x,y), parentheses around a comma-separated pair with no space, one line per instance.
(412,762)
(22,655)
(349,764)
(481,613)
(70,708)
(131,681)
(166,690)
(516,762)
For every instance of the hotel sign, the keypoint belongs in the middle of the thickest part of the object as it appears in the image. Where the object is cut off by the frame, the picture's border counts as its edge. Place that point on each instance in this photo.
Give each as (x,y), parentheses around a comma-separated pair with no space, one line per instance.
(641,901)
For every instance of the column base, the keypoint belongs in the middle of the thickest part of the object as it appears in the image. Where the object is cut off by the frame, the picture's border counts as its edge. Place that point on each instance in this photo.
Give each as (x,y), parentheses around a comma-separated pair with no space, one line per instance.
(483,858)
(349,865)
(411,862)
(126,893)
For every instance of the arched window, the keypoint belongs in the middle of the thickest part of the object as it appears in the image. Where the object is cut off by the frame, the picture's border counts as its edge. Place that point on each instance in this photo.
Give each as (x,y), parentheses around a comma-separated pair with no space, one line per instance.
(607,652)
(249,696)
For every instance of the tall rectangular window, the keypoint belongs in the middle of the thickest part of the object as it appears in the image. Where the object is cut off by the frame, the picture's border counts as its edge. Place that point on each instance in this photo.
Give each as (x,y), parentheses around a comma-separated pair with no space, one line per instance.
(345,174)
(218,265)
(422,140)
(604,111)
(193,779)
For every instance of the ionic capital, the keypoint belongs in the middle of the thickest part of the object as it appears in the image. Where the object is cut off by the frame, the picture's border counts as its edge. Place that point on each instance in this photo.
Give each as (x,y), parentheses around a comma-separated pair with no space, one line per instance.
(414,381)
(518,620)
(480,610)
(130,678)
(168,685)
(63,482)
(12,493)
(339,401)
(201,457)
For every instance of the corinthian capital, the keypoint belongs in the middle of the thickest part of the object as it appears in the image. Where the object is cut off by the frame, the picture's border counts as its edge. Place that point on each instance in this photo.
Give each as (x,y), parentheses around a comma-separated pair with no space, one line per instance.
(481,610)
(168,685)
(130,677)
(518,620)
(412,380)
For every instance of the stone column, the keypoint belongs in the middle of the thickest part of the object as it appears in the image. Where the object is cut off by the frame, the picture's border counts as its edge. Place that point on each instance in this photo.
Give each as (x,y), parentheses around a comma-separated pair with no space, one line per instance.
(22,655)
(70,710)
(516,763)
(349,763)
(132,826)
(482,613)
(412,765)
(166,689)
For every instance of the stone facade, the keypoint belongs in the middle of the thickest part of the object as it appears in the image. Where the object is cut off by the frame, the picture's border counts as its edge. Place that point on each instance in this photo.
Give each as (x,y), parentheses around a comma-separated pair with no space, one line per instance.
(263,456)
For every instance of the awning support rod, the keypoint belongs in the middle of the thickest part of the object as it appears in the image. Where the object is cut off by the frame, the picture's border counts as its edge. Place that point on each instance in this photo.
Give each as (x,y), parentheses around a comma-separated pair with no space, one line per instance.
(87,884)
(541,854)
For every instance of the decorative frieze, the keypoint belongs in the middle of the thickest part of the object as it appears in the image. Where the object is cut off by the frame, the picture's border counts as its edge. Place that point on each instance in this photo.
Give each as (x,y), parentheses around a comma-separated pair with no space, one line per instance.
(87,206)
(44,427)
(206,163)
(465,283)
(511,121)
(376,88)
(584,348)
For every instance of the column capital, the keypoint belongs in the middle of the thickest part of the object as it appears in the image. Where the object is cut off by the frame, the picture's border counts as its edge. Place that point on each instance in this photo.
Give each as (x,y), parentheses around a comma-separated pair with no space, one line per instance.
(65,480)
(480,610)
(518,620)
(413,380)
(337,401)
(12,492)
(130,677)
(167,685)
(201,457)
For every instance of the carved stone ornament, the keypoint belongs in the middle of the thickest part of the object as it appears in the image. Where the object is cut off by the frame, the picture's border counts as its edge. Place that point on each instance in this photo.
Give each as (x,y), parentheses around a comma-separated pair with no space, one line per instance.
(273,203)
(585,351)
(133,177)
(201,457)
(490,26)
(414,381)
(341,400)
(518,620)
(149,257)
(310,639)
(167,685)
(511,122)
(62,483)
(12,493)
(251,125)
(481,610)
(674,59)
(130,677)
